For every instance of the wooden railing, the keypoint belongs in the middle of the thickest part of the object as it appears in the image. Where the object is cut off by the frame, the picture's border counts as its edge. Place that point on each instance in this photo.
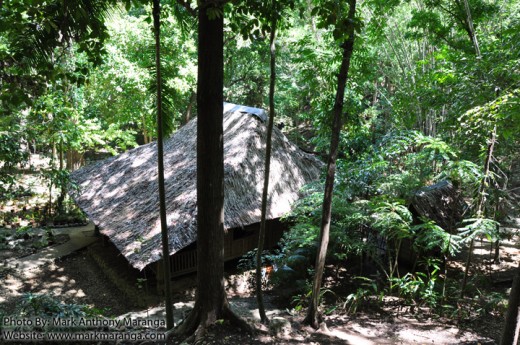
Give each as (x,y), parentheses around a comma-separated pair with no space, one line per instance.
(186,262)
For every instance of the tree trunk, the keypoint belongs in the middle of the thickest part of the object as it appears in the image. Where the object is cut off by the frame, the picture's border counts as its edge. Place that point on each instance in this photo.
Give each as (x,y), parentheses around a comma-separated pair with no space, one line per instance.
(313,316)
(471,29)
(261,235)
(211,303)
(146,139)
(480,205)
(63,187)
(187,116)
(74,160)
(160,168)
(511,330)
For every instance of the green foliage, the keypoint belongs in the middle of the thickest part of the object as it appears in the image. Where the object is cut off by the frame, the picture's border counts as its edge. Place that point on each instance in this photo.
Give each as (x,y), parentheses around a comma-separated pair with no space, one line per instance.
(438,18)
(364,296)
(370,213)
(12,155)
(429,237)
(334,14)
(301,301)
(420,288)
(464,172)
(477,123)
(347,229)
(46,305)
(400,164)
(248,260)
(56,177)
(253,19)
(373,191)
(480,227)
(102,106)
(392,220)
(30,31)
(62,119)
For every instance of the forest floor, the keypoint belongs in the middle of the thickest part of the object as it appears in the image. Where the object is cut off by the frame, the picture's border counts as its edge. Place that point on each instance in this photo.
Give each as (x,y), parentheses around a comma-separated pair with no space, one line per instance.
(78,278)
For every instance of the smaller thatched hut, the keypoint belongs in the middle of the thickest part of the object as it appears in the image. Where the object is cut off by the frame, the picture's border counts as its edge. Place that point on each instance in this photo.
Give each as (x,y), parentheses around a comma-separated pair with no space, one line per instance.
(120,195)
(441,203)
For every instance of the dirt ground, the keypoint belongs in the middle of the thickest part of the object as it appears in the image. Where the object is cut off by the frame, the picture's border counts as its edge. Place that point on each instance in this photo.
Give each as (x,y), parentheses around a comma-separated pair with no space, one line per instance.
(74,279)
(78,279)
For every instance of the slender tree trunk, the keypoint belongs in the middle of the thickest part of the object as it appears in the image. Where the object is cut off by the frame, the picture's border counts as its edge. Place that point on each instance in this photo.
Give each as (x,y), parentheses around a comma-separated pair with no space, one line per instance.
(471,29)
(160,168)
(74,160)
(187,116)
(511,331)
(52,166)
(211,302)
(313,316)
(54,154)
(60,155)
(261,236)
(395,267)
(146,139)
(480,205)
(63,187)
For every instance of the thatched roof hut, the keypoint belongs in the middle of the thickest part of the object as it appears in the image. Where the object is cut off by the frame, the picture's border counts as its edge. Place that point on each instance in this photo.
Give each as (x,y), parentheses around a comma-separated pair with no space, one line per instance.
(441,203)
(120,194)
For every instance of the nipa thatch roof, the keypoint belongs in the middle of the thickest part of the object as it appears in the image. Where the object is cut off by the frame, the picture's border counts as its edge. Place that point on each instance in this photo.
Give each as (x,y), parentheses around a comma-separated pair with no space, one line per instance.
(441,203)
(120,193)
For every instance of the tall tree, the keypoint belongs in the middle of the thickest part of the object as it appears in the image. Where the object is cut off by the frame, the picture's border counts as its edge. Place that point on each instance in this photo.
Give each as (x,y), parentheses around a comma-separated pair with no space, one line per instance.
(481,201)
(160,167)
(345,33)
(267,166)
(211,303)
(511,332)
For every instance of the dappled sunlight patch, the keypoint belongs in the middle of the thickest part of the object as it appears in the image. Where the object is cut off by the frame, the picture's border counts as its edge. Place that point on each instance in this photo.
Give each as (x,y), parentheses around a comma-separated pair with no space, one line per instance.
(74,279)
(143,159)
(368,329)
(62,278)
(350,338)
(75,293)
(12,286)
(434,335)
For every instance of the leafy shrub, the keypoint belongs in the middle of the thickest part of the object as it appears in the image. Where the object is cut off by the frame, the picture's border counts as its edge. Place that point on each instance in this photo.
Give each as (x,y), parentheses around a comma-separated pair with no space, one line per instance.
(370,214)
(301,301)
(429,236)
(418,288)
(364,296)
(478,227)
(248,262)
(46,305)
(11,154)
